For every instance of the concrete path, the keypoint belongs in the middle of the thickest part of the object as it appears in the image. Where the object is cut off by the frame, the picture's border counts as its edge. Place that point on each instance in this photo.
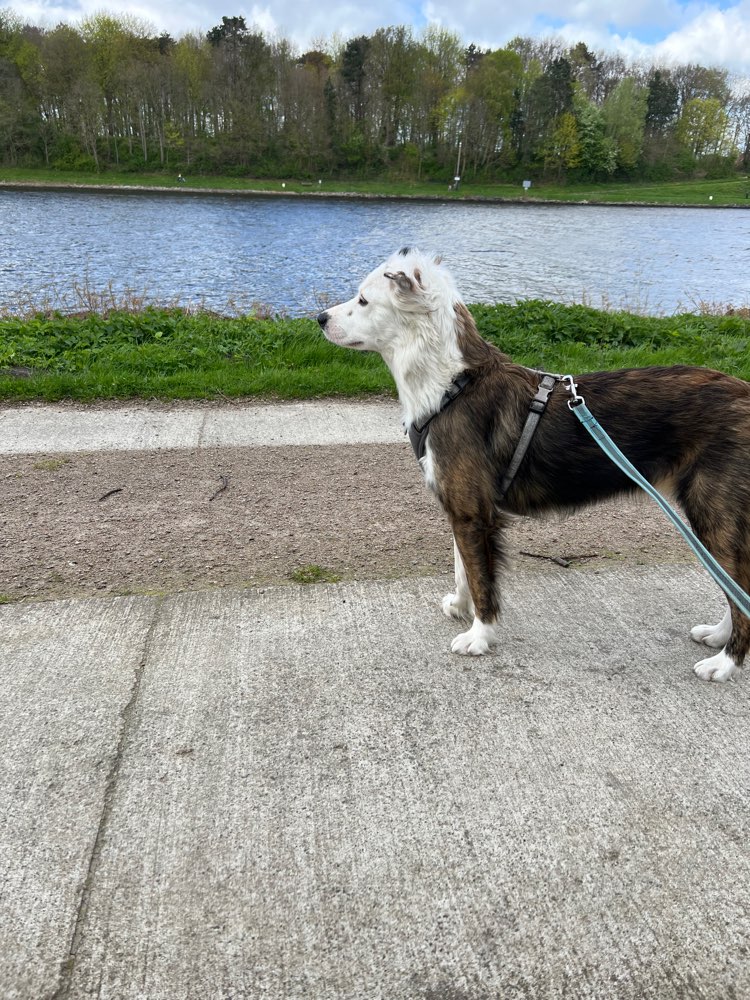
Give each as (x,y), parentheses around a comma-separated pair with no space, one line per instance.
(59,429)
(298,792)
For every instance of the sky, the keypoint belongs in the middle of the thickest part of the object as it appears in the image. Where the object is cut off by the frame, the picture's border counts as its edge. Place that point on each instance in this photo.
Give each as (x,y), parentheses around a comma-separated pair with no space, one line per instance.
(656,31)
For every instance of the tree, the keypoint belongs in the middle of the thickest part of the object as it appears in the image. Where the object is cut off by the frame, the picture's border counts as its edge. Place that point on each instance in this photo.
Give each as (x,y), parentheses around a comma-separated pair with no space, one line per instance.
(586,70)
(353,75)
(597,152)
(662,101)
(624,116)
(391,69)
(232,31)
(550,96)
(439,71)
(190,84)
(705,82)
(491,99)
(113,45)
(562,151)
(702,127)
(738,110)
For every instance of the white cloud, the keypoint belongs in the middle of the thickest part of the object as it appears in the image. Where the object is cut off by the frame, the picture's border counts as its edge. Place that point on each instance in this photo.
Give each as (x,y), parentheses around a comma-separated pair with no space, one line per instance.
(714,38)
(655,30)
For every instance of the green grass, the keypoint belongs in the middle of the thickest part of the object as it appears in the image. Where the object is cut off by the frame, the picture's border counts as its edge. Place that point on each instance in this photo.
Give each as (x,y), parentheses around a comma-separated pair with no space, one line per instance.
(312,573)
(708,193)
(171,354)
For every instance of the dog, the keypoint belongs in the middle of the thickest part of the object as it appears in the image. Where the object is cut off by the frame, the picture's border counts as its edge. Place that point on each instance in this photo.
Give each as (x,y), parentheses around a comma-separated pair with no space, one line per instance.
(686,429)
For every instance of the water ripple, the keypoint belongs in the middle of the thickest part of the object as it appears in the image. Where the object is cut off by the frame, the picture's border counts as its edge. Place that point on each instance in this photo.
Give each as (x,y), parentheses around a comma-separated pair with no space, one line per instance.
(295,255)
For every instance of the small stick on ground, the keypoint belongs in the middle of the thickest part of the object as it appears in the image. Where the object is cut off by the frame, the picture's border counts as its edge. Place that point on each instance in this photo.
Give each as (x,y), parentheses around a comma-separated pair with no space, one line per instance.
(224,483)
(110,493)
(227,399)
(563,561)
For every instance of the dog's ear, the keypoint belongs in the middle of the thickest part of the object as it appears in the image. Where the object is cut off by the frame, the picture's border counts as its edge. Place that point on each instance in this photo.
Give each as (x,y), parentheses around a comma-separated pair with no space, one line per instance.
(404,282)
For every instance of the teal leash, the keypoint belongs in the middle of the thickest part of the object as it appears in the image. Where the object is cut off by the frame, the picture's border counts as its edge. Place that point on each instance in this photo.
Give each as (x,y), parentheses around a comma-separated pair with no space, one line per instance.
(730,587)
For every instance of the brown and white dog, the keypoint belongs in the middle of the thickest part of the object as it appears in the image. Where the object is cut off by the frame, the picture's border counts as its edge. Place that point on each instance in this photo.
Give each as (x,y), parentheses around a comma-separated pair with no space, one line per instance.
(686,429)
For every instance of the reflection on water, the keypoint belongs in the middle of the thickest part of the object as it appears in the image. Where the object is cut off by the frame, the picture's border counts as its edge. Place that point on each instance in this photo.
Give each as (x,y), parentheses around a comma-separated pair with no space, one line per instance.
(296,254)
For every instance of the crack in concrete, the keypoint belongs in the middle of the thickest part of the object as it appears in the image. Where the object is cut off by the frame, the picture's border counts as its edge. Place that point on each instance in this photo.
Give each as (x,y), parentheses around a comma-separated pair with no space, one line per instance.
(67,966)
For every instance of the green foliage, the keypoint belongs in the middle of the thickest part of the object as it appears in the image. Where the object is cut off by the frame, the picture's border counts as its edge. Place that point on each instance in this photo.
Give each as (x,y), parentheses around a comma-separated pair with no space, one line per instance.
(662,101)
(624,116)
(543,334)
(173,354)
(702,126)
(105,94)
(563,149)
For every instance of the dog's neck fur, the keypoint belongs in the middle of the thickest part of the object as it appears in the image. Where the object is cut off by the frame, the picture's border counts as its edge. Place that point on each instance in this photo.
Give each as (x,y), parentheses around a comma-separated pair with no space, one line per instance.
(439,346)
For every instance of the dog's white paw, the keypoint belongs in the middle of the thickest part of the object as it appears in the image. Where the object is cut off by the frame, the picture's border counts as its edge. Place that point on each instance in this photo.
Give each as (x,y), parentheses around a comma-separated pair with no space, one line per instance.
(476,642)
(454,606)
(716,668)
(716,636)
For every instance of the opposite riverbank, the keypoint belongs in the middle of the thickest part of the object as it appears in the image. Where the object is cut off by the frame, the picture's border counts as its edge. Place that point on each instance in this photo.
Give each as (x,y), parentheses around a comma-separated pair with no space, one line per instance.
(722,193)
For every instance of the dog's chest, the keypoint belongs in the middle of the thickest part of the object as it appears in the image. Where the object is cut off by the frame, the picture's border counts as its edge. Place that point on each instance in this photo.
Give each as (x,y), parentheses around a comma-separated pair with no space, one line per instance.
(429,470)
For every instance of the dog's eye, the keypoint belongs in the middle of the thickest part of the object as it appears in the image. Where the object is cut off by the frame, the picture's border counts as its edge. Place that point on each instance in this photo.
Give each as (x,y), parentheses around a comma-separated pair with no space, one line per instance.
(362,300)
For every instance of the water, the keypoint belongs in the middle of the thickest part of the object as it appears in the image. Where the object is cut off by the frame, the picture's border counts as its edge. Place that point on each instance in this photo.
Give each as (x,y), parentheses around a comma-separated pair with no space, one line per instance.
(298,254)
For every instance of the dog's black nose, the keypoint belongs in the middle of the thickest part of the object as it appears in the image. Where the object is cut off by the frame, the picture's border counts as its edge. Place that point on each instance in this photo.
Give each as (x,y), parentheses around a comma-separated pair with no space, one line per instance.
(323,319)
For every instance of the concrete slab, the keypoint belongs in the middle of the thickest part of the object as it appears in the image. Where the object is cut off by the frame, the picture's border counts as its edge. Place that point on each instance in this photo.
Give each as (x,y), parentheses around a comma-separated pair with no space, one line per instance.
(68,672)
(51,429)
(315,799)
(314,423)
(60,429)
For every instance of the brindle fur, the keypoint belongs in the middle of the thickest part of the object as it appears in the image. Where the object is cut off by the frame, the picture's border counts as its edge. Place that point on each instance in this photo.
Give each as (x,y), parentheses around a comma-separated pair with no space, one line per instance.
(686,429)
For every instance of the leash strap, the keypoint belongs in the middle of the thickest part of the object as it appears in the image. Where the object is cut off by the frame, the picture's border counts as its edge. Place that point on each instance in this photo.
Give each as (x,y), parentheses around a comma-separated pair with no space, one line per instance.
(536,409)
(730,587)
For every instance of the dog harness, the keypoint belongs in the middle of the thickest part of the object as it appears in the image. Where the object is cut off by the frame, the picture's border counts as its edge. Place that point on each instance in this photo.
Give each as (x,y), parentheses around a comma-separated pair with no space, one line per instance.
(536,408)
(418,434)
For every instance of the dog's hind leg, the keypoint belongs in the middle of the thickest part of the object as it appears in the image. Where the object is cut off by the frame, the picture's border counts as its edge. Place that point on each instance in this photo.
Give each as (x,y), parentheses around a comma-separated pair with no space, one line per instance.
(479,551)
(721,666)
(728,539)
(460,604)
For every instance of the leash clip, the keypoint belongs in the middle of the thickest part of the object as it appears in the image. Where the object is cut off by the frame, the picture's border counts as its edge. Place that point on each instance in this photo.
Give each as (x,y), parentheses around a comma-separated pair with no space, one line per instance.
(572,388)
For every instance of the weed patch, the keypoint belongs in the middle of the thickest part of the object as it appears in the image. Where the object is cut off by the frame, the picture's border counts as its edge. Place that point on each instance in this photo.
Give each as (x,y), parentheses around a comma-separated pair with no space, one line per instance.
(313,574)
(51,464)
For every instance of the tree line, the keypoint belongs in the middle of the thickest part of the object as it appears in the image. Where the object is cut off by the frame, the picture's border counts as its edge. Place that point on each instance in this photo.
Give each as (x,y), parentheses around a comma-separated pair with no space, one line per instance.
(107,93)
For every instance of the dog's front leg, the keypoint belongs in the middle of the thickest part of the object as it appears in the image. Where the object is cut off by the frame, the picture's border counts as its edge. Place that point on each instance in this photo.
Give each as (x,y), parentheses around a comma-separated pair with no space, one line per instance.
(476,549)
(460,604)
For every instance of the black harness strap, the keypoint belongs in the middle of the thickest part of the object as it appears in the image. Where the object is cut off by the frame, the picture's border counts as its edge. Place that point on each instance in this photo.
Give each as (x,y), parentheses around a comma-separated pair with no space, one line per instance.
(418,435)
(536,408)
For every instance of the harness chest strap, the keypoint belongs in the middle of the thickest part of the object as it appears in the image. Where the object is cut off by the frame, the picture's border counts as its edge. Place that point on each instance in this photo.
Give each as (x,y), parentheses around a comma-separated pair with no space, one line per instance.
(418,434)
(536,409)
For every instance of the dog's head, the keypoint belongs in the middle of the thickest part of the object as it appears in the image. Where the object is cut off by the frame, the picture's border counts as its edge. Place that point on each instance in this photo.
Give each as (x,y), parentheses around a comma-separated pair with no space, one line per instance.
(390,302)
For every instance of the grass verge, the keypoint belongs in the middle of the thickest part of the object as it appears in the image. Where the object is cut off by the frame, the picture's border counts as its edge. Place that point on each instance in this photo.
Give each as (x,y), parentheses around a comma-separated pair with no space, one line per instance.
(173,354)
(707,193)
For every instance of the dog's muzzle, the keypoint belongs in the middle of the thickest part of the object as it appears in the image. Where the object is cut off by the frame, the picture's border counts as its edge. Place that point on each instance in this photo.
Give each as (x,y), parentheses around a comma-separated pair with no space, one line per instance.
(323,319)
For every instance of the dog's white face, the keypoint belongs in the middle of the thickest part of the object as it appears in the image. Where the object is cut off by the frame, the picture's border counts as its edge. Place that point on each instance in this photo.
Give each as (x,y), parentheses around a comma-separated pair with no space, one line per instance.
(379,315)
(364,321)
